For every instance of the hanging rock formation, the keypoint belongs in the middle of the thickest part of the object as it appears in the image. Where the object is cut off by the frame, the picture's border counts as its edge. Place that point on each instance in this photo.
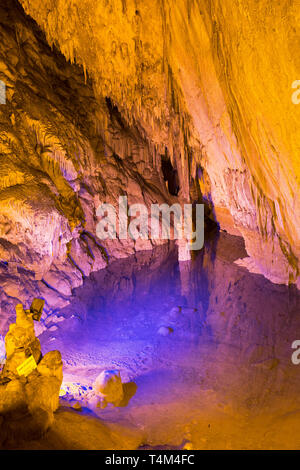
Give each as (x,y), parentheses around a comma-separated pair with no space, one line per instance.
(205,87)
(211,81)
(62,154)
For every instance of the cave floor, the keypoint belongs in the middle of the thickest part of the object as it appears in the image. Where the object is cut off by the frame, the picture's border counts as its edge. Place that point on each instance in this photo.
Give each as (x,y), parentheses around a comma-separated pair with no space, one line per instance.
(219,377)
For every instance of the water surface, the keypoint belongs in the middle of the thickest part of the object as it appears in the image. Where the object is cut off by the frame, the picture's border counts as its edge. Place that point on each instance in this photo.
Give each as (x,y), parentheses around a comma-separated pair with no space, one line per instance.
(221,378)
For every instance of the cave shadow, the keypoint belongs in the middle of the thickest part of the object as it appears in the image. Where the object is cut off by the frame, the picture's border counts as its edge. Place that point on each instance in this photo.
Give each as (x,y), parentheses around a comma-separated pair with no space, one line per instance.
(69,431)
(129,390)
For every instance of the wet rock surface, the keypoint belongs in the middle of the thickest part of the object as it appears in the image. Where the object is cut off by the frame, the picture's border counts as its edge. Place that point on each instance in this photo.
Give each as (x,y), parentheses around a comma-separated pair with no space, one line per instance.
(69,143)
(211,84)
(63,153)
(224,378)
(153,109)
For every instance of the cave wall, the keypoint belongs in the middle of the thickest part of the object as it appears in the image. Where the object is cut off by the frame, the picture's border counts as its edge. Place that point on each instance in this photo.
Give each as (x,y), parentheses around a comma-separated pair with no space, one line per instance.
(63,152)
(212,81)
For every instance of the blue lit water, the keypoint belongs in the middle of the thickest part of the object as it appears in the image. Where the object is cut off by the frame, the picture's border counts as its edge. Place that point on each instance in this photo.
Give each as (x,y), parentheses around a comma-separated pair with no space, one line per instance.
(204,341)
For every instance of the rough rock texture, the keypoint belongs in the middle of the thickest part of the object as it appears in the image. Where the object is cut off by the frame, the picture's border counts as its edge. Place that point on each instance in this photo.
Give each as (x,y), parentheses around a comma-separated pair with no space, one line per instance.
(108,387)
(20,343)
(62,154)
(211,82)
(223,379)
(197,91)
(27,402)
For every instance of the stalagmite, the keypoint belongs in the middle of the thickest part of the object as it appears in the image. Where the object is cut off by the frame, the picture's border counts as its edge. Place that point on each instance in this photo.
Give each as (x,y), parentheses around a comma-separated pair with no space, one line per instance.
(149,203)
(29,383)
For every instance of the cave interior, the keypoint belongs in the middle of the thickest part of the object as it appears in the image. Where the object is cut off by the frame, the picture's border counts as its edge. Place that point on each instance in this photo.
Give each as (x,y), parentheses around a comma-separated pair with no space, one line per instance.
(112,337)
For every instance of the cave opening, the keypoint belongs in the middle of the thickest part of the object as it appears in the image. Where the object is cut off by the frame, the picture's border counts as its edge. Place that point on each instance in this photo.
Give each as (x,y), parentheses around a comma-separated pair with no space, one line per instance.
(170,174)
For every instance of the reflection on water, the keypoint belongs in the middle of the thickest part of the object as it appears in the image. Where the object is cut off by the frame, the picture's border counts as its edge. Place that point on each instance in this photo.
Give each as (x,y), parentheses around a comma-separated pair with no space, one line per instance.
(207,343)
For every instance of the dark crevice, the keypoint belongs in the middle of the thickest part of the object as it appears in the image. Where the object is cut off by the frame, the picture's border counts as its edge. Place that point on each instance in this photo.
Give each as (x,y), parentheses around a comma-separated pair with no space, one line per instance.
(170,175)
(115,114)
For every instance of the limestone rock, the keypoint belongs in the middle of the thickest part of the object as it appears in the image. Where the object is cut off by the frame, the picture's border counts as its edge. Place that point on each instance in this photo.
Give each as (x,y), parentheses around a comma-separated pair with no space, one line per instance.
(51,365)
(175,312)
(108,387)
(238,144)
(77,406)
(39,328)
(20,342)
(43,392)
(54,175)
(27,402)
(165,330)
(12,397)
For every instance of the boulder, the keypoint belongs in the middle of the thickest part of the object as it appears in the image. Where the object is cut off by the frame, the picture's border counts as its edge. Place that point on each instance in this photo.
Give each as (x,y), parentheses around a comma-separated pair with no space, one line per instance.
(51,365)
(108,387)
(165,330)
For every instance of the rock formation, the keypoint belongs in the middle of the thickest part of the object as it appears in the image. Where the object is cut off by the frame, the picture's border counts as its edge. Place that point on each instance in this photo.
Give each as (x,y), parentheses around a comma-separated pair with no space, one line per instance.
(108,387)
(28,397)
(210,84)
(182,101)
(62,153)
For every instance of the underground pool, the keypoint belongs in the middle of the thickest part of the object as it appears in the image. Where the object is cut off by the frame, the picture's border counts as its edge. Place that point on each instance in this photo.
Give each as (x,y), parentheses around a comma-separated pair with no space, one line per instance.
(204,349)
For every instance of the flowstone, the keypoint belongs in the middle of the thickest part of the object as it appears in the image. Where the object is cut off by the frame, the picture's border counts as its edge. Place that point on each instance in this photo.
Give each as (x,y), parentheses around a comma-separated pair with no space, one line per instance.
(29,383)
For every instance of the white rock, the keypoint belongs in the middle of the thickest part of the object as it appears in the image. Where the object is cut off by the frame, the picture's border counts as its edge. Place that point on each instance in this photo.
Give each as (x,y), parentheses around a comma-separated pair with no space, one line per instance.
(39,328)
(53,328)
(165,330)
(108,387)
(174,312)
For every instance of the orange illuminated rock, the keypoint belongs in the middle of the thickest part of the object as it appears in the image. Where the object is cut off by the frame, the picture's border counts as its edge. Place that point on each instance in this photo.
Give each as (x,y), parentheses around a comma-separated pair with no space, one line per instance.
(29,395)
(205,88)
(212,83)
(20,343)
(108,387)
